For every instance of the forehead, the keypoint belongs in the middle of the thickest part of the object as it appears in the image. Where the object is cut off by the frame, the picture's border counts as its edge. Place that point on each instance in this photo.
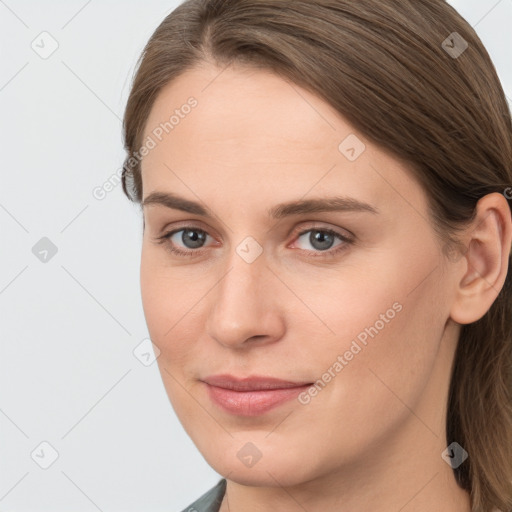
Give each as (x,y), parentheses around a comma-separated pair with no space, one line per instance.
(243,130)
(244,107)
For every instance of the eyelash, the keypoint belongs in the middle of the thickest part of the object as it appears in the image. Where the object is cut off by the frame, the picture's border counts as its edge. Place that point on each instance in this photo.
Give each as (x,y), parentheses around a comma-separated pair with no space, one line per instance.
(165,240)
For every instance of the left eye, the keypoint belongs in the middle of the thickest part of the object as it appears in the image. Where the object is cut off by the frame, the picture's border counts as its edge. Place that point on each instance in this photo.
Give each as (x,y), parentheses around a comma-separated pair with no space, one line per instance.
(322,239)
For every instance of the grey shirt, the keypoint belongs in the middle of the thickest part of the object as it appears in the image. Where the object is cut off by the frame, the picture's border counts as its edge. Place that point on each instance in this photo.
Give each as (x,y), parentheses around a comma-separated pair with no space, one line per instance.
(210,501)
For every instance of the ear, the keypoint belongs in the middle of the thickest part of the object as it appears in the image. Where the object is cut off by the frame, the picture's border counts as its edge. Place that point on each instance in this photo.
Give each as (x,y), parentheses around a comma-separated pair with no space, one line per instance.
(484,266)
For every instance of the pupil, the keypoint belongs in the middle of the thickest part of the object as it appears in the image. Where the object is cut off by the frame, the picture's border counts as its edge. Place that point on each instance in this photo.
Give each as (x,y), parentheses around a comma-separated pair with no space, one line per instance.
(193,239)
(321,237)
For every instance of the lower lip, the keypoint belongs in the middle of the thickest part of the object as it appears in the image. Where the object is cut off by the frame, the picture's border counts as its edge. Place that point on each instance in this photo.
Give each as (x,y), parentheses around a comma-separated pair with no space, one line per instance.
(252,403)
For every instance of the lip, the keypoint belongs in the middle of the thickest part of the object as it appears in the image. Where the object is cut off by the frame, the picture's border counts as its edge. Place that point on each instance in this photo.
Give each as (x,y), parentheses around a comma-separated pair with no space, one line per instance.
(251,396)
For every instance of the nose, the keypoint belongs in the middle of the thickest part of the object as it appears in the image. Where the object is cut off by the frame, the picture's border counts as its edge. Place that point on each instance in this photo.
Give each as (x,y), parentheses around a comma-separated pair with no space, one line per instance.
(245,305)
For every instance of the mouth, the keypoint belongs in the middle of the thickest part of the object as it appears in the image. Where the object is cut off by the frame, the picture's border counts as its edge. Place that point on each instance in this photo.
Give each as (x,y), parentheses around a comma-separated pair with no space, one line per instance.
(251,396)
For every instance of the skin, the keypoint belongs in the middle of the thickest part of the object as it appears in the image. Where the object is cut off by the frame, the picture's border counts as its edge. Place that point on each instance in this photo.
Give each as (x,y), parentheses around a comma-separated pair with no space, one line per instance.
(372,439)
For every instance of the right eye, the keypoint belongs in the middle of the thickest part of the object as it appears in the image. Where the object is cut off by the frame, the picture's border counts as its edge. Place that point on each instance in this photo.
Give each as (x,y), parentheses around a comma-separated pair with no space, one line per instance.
(191,237)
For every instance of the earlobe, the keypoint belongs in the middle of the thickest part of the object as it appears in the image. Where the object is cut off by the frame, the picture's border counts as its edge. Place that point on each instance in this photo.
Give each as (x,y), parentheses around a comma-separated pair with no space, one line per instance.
(485,262)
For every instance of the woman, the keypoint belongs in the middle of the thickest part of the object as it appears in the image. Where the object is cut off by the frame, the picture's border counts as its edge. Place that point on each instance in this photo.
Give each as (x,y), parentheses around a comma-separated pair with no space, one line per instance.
(325,187)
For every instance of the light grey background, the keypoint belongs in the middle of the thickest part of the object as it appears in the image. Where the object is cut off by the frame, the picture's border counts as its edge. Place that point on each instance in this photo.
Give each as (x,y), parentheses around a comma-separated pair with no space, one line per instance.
(69,326)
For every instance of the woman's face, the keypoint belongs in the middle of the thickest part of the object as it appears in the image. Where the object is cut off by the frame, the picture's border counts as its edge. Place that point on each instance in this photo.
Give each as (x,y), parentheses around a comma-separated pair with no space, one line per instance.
(362,310)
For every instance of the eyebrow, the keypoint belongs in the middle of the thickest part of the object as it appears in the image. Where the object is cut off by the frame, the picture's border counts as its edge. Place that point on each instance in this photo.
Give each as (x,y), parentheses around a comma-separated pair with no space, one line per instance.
(300,207)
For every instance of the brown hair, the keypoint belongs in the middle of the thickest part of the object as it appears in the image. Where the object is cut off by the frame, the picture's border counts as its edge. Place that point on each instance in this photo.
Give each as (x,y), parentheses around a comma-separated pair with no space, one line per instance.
(385,66)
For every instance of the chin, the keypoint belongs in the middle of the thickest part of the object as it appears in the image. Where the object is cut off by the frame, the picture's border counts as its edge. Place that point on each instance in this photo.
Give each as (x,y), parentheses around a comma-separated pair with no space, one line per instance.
(279,466)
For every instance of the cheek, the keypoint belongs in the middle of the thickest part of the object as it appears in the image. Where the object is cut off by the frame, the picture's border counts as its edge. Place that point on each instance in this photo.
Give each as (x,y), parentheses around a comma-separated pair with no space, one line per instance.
(153,294)
(160,297)
(387,325)
(393,366)
(173,301)
(168,308)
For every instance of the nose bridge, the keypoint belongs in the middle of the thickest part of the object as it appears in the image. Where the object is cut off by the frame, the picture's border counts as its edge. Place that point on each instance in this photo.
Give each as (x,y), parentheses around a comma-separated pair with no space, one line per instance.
(242,304)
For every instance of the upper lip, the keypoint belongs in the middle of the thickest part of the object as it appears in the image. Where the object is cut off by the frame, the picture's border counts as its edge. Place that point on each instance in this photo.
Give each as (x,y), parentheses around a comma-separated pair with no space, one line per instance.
(251,383)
